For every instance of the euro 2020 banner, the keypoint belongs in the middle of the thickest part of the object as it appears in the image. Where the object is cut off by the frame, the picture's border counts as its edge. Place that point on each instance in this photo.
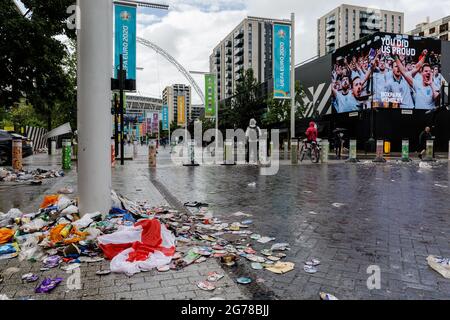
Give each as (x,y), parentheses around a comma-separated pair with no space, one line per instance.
(282,61)
(125,39)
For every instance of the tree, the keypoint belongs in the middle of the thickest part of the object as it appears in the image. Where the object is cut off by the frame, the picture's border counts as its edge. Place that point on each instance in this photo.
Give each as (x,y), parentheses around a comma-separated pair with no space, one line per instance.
(279,111)
(32,57)
(24,115)
(247,103)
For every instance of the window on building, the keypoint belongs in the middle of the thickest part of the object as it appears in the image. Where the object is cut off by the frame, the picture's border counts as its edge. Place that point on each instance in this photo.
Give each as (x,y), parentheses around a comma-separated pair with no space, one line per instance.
(443,28)
(421,34)
(444,37)
(432,30)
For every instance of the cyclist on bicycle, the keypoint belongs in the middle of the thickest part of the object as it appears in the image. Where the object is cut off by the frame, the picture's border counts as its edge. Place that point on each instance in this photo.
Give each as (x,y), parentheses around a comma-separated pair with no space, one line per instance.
(312,133)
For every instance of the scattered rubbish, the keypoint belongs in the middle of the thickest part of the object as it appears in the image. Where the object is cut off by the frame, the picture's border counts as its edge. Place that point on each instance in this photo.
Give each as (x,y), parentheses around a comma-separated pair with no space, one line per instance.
(214,276)
(265,239)
(3,297)
(313,213)
(71,267)
(257,266)
(255,237)
(280,247)
(310,269)
(281,267)
(247,222)
(327,296)
(229,260)
(440,186)
(266,252)
(260,280)
(241,214)
(103,272)
(52,262)
(205,285)
(48,285)
(36,182)
(6,235)
(66,190)
(195,204)
(338,205)
(29,277)
(28,176)
(313,262)
(272,258)
(163,268)
(244,280)
(440,265)
(252,185)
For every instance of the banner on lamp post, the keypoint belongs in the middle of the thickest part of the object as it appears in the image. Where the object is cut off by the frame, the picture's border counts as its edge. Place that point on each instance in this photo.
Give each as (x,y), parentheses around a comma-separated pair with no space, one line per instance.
(125,39)
(181,113)
(155,122)
(165,118)
(210,96)
(282,61)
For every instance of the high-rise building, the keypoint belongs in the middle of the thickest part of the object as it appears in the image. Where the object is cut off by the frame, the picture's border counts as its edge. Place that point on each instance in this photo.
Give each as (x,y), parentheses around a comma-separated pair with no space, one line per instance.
(249,45)
(347,23)
(170,98)
(438,29)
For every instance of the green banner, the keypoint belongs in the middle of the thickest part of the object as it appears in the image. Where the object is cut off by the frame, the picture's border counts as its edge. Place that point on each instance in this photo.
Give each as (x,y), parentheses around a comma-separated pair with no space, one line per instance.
(210,96)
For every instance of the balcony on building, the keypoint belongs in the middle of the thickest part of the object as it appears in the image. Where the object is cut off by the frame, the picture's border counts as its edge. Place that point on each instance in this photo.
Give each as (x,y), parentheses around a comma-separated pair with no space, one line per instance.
(229,68)
(331,35)
(239,43)
(239,60)
(239,52)
(331,20)
(331,28)
(330,42)
(217,54)
(217,61)
(239,34)
(229,60)
(229,91)
(229,52)
(238,76)
(228,44)
(229,84)
(229,75)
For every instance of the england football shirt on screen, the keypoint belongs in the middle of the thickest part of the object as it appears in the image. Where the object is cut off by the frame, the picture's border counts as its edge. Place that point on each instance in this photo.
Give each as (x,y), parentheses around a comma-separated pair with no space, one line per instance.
(423,95)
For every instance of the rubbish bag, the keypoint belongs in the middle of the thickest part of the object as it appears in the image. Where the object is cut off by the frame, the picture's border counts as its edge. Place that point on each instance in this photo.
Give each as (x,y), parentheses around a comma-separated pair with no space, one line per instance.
(5,235)
(31,249)
(440,265)
(63,202)
(33,226)
(50,200)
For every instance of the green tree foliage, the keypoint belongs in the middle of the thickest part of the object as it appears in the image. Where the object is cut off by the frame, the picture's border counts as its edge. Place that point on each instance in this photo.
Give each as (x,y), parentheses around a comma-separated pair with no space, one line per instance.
(23,115)
(279,111)
(32,57)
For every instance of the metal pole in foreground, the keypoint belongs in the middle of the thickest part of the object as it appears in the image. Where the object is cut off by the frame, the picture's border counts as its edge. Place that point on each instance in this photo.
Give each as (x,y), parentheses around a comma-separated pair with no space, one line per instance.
(94,98)
(293,75)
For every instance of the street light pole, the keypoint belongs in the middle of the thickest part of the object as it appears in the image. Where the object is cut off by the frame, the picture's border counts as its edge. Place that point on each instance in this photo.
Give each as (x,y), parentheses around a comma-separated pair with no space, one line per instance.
(94,69)
(293,75)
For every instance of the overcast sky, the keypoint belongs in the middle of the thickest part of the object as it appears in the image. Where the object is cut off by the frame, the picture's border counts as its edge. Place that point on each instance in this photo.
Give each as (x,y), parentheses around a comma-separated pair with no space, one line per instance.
(191,28)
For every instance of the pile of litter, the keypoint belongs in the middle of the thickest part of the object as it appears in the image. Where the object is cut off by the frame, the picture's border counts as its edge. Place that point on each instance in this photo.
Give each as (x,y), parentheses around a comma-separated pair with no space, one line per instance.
(134,237)
(35,176)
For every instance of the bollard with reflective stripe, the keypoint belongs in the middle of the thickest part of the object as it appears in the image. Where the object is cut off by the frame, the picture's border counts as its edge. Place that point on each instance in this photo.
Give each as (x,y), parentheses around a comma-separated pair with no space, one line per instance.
(294,151)
(429,156)
(380,152)
(113,153)
(66,154)
(405,151)
(352,152)
(152,154)
(325,151)
(17,154)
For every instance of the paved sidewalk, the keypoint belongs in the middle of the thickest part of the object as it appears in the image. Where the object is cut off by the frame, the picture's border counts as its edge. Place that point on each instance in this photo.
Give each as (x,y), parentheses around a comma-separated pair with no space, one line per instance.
(133,181)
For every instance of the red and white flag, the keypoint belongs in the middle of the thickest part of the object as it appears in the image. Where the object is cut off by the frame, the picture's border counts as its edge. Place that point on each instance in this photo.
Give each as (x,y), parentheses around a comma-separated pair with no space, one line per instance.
(145,246)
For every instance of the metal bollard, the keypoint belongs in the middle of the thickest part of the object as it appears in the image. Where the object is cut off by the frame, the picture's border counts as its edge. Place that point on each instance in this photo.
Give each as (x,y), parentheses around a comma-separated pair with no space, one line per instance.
(191,155)
(152,154)
(229,153)
(294,151)
(405,151)
(380,152)
(53,147)
(17,154)
(353,158)
(66,154)
(325,151)
(286,150)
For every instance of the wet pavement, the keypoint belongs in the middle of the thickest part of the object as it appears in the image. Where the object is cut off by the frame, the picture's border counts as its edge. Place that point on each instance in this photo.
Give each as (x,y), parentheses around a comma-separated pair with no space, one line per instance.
(393,216)
(390,215)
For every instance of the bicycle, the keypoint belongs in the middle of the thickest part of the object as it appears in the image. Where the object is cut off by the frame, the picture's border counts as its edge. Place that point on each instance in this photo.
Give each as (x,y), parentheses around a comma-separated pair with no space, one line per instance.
(312,150)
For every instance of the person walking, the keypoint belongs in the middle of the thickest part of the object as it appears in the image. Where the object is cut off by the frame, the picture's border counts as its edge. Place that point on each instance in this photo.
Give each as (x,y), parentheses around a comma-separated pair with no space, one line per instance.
(423,138)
